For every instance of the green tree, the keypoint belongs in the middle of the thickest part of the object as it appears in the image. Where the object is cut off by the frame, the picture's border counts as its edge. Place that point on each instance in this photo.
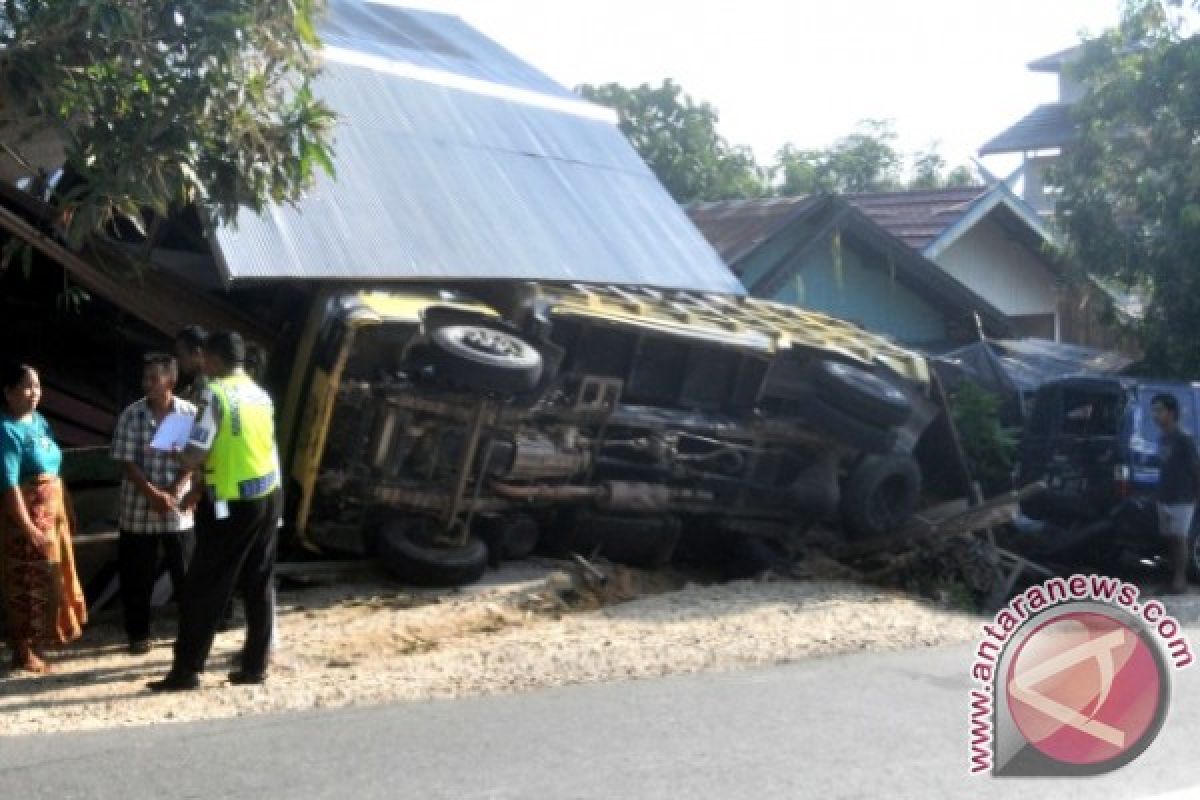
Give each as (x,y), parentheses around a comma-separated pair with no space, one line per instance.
(678,139)
(164,103)
(962,175)
(928,168)
(1130,183)
(863,161)
(988,446)
(929,172)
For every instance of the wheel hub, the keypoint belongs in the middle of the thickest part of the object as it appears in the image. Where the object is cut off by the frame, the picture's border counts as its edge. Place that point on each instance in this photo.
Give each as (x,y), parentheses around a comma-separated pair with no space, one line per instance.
(495,344)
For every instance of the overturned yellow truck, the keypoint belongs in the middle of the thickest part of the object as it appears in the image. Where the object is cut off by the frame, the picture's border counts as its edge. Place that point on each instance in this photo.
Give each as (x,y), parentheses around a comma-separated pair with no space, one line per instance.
(441,430)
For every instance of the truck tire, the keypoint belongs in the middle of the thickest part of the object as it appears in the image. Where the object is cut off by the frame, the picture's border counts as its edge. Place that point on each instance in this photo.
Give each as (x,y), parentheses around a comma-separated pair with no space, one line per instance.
(880,495)
(484,359)
(408,553)
(860,394)
(510,537)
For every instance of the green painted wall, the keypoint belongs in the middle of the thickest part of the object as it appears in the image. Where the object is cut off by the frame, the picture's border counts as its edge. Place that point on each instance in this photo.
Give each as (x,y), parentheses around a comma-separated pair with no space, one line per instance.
(863,293)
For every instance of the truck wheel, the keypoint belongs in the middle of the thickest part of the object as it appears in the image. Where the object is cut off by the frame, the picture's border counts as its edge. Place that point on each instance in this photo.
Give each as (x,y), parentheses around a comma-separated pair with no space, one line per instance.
(880,495)
(510,537)
(408,552)
(484,359)
(861,394)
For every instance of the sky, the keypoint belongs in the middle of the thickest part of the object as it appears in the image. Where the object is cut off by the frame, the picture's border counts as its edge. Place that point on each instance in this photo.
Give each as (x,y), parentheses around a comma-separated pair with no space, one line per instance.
(946,71)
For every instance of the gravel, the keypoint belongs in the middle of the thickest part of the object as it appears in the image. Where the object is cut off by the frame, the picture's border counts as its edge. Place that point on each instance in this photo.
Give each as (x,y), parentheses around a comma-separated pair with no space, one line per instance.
(361,641)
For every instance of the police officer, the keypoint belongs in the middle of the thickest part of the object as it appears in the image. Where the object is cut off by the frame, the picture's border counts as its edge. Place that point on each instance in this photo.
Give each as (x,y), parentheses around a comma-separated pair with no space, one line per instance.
(237,518)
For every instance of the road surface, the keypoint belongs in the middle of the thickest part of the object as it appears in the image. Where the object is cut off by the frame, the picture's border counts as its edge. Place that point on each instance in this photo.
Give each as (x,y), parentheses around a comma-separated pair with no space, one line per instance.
(875,725)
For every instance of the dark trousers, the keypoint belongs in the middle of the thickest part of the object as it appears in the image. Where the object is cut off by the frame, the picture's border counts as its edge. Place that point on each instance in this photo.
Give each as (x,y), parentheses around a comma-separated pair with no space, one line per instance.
(139,566)
(235,552)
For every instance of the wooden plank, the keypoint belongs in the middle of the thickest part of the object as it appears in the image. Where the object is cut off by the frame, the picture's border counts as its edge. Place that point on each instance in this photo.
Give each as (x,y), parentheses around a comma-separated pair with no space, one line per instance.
(995,511)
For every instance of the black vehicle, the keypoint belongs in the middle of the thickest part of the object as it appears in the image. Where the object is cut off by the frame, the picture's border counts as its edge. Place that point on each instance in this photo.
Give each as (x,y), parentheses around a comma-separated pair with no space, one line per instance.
(1094,442)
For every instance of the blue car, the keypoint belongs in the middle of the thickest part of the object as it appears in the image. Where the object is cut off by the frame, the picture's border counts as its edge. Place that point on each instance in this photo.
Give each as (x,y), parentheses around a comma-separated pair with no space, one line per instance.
(1095,444)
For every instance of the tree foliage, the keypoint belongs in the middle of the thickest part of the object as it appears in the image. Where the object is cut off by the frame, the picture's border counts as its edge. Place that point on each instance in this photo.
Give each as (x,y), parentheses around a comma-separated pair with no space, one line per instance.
(866,160)
(677,137)
(162,103)
(1130,184)
(989,447)
(863,161)
(929,172)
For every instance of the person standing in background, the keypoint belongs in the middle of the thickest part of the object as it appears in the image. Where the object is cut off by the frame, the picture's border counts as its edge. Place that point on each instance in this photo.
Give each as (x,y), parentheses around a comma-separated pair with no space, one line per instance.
(1178,485)
(153,485)
(189,352)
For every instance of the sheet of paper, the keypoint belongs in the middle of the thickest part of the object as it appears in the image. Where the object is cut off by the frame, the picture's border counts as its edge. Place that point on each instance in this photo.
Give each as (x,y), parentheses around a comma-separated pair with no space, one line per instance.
(172,433)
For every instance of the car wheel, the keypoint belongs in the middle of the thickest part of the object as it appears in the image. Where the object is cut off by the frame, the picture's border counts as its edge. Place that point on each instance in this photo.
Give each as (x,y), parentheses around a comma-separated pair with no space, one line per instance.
(880,495)
(860,393)
(484,359)
(409,552)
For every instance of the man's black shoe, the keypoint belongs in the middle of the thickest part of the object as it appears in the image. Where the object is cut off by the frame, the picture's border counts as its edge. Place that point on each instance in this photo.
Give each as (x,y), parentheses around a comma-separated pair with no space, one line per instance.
(242,678)
(175,682)
(139,647)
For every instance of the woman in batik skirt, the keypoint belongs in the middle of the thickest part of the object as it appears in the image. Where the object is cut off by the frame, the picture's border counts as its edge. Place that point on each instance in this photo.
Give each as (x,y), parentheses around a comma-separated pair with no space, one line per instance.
(43,602)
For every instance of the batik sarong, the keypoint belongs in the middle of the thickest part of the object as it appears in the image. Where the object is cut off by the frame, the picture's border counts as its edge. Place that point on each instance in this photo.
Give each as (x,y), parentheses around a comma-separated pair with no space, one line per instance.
(43,601)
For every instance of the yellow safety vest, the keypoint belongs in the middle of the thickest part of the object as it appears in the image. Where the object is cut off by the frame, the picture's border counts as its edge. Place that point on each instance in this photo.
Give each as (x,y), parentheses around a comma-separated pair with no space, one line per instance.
(242,464)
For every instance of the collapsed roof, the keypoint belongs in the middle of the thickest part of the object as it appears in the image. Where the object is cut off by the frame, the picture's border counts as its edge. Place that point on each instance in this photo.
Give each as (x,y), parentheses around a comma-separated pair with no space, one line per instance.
(1015,368)
(455,160)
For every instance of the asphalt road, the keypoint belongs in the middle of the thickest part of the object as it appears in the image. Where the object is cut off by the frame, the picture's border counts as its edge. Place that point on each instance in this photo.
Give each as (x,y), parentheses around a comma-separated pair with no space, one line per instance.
(889,725)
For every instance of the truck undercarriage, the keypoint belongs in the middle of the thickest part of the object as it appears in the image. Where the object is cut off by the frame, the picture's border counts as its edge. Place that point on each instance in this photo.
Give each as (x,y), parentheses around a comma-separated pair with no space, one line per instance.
(619,426)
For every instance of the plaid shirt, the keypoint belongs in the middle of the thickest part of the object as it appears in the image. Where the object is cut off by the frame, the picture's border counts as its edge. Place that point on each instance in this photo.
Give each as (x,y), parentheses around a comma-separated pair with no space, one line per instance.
(131,443)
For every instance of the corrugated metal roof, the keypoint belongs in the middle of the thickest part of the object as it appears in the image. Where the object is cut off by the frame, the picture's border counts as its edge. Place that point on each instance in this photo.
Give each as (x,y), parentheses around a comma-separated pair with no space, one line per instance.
(737,227)
(920,216)
(1047,126)
(431,40)
(456,160)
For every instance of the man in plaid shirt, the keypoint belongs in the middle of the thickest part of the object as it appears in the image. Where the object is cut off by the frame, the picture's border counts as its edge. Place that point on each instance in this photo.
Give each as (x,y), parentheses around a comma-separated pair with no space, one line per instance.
(153,486)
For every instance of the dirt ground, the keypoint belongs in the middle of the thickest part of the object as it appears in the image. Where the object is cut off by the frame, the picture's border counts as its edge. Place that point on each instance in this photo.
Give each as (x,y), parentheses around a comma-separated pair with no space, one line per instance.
(356,640)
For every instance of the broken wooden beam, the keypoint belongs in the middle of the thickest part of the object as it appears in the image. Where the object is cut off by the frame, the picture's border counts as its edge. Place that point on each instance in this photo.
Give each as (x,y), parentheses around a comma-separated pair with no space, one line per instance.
(995,511)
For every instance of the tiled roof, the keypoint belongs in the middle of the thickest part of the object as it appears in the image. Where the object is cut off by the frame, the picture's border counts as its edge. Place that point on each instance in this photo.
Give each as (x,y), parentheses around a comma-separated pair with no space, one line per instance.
(736,227)
(917,217)
(1048,125)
